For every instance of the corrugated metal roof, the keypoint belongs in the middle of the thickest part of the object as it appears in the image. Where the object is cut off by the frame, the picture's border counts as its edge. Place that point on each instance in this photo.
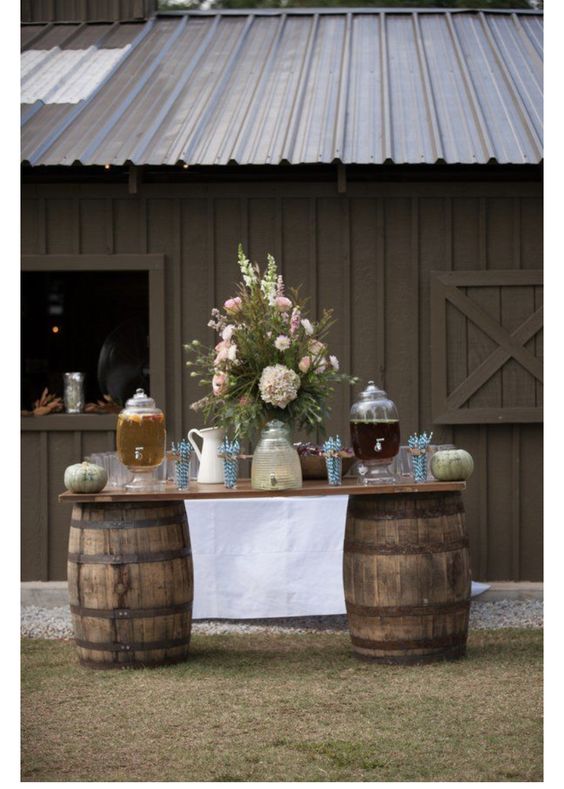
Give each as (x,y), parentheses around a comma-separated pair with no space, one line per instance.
(360,86)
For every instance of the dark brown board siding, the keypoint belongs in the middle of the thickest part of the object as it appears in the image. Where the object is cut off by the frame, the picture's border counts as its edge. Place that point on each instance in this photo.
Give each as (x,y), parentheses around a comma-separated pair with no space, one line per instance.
(369,254)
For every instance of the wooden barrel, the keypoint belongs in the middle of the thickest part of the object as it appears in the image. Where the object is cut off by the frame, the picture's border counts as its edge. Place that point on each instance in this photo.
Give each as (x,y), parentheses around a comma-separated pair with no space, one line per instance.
(130,583)
(407,577)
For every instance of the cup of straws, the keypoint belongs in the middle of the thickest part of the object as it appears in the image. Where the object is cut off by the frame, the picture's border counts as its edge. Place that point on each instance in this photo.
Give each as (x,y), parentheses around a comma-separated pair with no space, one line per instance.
(418,445)
(333,454)
(229,451)
(182,452)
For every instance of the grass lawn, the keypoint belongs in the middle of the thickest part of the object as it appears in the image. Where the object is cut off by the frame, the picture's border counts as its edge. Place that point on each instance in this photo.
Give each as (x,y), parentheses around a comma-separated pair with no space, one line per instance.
(286,708)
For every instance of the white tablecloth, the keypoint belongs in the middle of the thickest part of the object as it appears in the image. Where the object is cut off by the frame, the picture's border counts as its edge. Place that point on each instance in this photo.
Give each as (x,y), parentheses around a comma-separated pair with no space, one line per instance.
(275,557)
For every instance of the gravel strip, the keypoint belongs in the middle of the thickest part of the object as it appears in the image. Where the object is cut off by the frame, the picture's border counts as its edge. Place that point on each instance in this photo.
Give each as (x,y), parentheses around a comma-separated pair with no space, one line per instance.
(56,622)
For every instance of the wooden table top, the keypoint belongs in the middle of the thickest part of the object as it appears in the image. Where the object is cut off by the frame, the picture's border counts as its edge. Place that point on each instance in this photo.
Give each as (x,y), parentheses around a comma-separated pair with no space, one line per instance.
(243,490)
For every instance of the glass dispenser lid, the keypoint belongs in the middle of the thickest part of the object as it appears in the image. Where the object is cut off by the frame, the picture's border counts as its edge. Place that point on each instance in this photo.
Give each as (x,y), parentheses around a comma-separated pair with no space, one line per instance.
(374,404)
(141,402)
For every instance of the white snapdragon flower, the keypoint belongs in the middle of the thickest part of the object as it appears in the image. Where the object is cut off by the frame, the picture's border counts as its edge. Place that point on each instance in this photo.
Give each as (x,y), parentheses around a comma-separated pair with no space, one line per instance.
(227,333)
(308,327)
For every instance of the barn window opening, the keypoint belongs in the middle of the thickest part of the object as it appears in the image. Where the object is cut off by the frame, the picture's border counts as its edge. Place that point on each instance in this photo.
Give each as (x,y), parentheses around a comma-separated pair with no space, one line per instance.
(95,322)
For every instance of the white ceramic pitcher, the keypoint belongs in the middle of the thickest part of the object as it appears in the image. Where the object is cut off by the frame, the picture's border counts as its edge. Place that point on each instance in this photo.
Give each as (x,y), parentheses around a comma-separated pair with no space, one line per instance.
(211,466)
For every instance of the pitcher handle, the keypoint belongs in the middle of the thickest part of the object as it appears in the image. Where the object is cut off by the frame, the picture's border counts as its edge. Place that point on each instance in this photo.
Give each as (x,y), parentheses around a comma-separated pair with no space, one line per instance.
(194,444)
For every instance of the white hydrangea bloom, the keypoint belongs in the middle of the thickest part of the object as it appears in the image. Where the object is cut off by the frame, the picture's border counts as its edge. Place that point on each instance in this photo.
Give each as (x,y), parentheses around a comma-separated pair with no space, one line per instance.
(279,385)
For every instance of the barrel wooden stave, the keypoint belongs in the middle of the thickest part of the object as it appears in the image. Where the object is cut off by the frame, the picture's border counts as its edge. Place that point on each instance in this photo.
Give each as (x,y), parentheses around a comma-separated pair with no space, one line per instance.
(130,582)
(407,577)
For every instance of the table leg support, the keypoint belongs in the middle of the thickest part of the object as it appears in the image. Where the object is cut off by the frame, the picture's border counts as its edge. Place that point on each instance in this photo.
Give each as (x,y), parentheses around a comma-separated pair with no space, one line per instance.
(407,577)
(130,581)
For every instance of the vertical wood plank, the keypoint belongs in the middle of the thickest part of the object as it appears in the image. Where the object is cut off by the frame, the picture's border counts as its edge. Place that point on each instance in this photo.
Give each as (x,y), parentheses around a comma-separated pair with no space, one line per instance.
(76,234)
(279,234)
(516,502)
(483,564)
(347,306)
(400,301)
(245,228)
(381,290)
(176,350)
(77,445)
(414,312)
(42,227)
(516,232)
(313,257)
(196,261)
(211,253)
(43,547)
(110,225)
(157,341)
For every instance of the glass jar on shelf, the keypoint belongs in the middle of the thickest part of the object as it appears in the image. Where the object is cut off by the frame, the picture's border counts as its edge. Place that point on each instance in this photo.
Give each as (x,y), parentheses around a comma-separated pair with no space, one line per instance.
(375,435)
(141,441)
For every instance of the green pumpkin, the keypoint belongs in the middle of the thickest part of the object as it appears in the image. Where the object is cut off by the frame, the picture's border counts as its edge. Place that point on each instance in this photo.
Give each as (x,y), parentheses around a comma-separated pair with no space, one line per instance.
(452,465)
(85,478)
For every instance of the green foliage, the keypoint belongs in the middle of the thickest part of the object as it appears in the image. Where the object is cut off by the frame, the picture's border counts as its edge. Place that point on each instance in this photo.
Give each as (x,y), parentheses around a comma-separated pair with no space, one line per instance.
(271,362)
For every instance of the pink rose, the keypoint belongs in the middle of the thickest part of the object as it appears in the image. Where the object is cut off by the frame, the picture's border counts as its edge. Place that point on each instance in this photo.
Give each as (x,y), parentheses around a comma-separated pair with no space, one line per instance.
(219,384)
(304,364)
(282,304)
(233,305)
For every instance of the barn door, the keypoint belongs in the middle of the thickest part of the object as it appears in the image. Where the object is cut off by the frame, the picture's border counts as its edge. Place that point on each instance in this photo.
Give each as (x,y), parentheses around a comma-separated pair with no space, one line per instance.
(486,346)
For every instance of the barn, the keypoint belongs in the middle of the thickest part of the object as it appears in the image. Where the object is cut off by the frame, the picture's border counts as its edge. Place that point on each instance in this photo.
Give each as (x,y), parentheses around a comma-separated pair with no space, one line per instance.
(390,160)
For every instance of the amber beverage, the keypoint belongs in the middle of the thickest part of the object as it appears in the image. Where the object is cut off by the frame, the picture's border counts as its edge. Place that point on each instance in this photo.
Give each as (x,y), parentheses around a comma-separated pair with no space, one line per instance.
(141,440)
(366,436)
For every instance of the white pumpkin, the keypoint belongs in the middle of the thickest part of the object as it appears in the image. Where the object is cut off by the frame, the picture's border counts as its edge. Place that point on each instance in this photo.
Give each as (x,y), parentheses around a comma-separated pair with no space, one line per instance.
(85,478)
(450,465)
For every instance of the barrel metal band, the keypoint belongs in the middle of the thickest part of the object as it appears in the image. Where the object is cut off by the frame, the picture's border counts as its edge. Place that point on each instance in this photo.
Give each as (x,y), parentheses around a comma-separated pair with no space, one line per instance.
(130,613)
(145,523)
(408,610)
(456,639)
(358,508)
(386,549)
(112,646)
(128,558)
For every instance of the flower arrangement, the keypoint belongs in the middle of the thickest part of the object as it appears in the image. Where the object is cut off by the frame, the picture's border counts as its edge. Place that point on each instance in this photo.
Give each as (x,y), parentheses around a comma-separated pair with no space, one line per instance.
(271,361)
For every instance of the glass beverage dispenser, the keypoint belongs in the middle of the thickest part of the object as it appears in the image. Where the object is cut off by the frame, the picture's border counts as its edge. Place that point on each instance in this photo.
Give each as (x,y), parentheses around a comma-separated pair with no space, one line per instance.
(141,441)
(375,434)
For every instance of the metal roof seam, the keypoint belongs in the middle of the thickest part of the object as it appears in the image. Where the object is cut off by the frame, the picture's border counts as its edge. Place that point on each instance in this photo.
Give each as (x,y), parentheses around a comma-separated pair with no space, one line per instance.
(387,153)
(153,127)
(220,86)
(227,149)
(118,113)
(295,111)
(475,108)
(510,82)
(342,97)
(259,92)
(525,38)
(436,143)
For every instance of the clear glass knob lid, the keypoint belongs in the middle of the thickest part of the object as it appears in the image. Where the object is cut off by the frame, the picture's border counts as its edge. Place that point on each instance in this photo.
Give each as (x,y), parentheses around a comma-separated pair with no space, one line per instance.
(374,404)
(141,403)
